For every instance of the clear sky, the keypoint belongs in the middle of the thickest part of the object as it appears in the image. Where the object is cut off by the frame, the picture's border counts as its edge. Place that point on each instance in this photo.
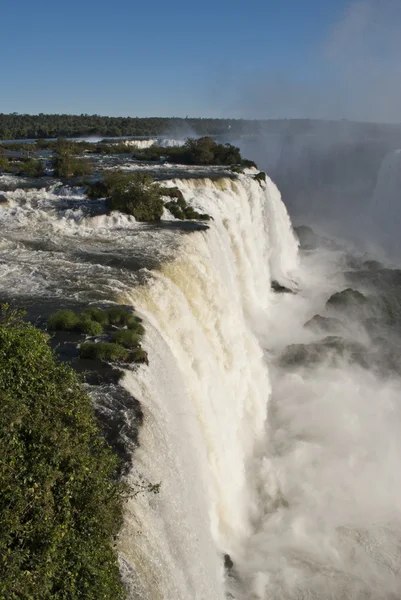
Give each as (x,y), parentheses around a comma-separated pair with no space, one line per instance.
(261,58)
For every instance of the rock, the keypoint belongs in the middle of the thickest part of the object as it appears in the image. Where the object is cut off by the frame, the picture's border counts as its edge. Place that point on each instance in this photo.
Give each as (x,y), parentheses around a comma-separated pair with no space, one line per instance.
(329,350)
(372,265)
(308,239)
(228,563)
(345,299)
(323,323)
(280,289)
(3,199)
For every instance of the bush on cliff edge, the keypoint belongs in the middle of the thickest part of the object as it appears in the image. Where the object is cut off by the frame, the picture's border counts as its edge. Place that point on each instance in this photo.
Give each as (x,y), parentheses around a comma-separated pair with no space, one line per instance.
(60,503)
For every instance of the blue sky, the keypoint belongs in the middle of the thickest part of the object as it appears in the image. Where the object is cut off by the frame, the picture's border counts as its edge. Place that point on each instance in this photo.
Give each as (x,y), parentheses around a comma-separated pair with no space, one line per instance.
(217,58)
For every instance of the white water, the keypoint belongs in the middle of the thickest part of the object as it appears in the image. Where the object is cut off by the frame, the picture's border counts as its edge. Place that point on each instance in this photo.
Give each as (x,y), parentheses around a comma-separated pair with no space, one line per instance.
(163,142)
(293,473)
(206,396)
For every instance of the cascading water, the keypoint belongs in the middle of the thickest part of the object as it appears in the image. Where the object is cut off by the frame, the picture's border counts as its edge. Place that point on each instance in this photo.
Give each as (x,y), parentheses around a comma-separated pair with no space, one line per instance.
(292,471)
(206,397)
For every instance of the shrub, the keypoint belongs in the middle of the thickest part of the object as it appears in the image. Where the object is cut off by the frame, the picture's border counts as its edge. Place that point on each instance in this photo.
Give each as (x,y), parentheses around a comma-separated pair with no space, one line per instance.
(175,193)
(96,314)
(183,211)
(135,324)
(103,351)
(127,338)
(63,320)
(66,164)
(118,315)
(60,504)
(86,325)
(31,168)
(135,194)
(140,356)
(3,162)
(70,166)
(260,177)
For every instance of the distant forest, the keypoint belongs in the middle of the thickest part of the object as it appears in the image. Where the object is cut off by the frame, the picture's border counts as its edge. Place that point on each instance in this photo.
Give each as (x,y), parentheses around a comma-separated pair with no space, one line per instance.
(18,126)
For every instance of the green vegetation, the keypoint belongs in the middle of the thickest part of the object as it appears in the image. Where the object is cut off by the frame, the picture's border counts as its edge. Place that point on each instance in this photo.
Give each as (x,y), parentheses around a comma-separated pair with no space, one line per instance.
(63,320)
(66,163)
(31,168)
(104,351)
(96,314)
(260,177)
(202,151)
(135,194)
(127,338)
(179,207)
(60,503)
(138,195)
(94,322)
(88,326)
(15,126)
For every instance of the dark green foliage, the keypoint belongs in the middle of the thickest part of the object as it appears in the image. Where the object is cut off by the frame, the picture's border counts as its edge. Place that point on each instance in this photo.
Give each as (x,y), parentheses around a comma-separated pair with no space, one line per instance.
(60,504)
(248,163)
(3,162)
(237,169)
(15,126)
(63,320)
(96,314)
(118,315)
(175,193)
(66,163)
(201,151)
(68,320)
(175,210)
(179,207)
(116,148)
(181,210)
(135,194)
(134,324)
(140,356)
(97,189)
(260,177)
(88,326)
(31,168)
(104,351)
(127,338)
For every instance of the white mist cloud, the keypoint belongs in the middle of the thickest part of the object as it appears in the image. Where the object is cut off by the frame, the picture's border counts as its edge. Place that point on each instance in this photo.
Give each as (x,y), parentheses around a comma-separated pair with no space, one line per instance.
(357,74)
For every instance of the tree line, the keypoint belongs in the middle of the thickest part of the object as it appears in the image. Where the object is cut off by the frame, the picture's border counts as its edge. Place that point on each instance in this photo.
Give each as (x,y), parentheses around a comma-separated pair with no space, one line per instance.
(25,126)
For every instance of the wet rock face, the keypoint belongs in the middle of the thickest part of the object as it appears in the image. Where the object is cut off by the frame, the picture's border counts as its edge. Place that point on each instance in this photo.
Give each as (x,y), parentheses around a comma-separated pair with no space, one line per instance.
(330,350)
(280,289)
(308,239)
(325,324)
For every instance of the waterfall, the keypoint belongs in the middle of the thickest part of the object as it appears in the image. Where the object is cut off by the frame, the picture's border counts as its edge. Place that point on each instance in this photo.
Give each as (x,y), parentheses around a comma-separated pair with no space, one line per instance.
(205,393)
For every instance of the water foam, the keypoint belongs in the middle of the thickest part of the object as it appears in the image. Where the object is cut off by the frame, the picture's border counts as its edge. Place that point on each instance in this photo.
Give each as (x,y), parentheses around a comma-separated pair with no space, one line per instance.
(202,308)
